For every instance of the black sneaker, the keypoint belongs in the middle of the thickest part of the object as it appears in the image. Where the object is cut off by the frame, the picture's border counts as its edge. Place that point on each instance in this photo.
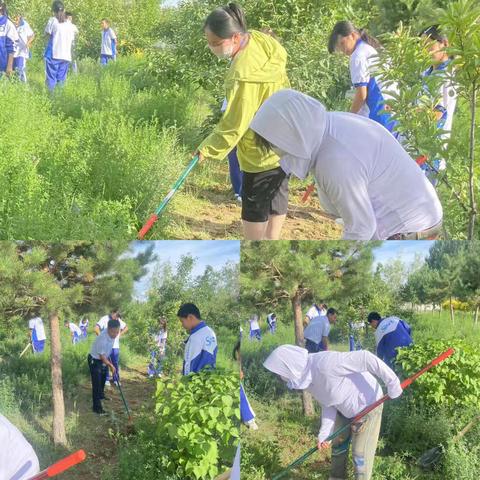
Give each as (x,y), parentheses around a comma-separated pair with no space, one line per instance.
(100,412)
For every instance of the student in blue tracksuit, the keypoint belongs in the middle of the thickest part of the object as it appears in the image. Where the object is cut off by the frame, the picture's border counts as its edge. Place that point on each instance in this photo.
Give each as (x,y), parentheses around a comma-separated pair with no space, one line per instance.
(255,331)
(58,54)
(369,99)
(272,322)
(75,331)
(391,333)
(201,345)
(247,414)
(83,325)
(446,95)
(236,176)
(22,52)
(8,41)
(109,43)
(157,354)
(37,334)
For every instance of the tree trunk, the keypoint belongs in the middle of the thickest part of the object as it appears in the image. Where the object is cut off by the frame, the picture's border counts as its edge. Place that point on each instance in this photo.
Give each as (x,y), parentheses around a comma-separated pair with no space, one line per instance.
(452,315)
(473,204)
(298,322)
(475,317)
(59,435)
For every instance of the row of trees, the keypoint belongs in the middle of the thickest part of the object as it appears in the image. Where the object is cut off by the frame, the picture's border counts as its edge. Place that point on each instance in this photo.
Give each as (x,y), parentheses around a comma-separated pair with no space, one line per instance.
(451,271)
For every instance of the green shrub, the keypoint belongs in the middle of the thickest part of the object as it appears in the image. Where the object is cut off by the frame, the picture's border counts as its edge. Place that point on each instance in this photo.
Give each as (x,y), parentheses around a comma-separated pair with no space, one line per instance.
(456,381)
(194,430)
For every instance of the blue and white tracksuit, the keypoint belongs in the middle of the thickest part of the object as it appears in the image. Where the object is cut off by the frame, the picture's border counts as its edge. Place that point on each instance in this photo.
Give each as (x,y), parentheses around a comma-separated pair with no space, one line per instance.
(246,412)
(109,46)
(8,41)
(200,349)
(447,101)
(392,333)
(362,63)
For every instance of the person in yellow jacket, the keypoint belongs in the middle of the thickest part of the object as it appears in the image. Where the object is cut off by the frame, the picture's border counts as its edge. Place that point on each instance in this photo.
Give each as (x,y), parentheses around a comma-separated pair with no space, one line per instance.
(257,70)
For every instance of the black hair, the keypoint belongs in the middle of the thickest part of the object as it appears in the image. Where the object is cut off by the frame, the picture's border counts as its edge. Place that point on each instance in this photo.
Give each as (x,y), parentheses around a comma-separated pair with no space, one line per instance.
(3,8)
(106,20)
(373,316)
(58,9)
(225,21)
(68,14)
(114,310)
(344,28)
(331,311)
(434,33)
(113,323)
(188,309)
(236,350)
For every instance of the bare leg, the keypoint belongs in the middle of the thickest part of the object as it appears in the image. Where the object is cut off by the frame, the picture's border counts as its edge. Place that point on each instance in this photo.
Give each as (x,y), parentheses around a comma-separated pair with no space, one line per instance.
(254,230)
(274,227)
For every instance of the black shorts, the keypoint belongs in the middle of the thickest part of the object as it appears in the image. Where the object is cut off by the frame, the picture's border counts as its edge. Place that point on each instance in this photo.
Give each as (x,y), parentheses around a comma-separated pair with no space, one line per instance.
(264,194)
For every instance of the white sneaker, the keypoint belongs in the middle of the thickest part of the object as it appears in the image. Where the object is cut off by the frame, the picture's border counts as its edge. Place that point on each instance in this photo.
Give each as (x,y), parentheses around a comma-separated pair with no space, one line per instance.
(238,198)
(107,383)
(117,384)
(252,425)
(151,375)
(159,375)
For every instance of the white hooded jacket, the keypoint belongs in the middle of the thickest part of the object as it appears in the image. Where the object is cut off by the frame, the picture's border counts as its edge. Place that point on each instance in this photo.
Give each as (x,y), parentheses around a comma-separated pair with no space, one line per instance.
(343,382)
(363,174)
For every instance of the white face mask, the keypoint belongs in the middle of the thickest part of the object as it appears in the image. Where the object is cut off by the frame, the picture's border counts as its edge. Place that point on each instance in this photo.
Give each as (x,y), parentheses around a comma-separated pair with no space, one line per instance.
(224,53)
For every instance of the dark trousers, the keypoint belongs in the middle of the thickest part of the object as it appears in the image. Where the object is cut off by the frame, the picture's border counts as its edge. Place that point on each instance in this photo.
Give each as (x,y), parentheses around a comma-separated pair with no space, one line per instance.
(313,347)
(98,373)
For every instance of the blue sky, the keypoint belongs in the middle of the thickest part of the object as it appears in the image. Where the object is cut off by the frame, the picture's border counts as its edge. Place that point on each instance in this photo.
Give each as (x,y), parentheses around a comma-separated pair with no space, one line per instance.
(405,250)
(217,253)
(214,253)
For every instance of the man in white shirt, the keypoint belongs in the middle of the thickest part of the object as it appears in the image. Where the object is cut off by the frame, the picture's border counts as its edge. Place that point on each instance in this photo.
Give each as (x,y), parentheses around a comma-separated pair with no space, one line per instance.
(37,334)
(115,353)
(22,51)
(18,460)
(363,175)
(98,362)
(317,331)
(344,384)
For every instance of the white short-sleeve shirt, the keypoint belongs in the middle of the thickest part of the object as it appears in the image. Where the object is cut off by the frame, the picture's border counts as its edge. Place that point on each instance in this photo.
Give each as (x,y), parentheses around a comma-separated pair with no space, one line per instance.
(108,36)
(74,328)
(63,36)
(102,345)
(24,33)
(37,325)
(317,328)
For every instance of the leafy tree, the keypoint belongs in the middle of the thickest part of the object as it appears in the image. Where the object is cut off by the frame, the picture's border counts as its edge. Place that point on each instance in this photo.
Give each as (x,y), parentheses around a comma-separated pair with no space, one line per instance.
(290,272)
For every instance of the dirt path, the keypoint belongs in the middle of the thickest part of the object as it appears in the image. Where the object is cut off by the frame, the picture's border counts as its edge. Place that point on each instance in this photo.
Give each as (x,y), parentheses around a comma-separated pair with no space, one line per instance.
(99,436)
(205,209)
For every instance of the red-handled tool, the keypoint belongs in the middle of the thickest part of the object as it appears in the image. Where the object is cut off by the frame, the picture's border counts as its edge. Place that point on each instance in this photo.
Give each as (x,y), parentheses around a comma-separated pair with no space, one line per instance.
(364,412)
(61,465)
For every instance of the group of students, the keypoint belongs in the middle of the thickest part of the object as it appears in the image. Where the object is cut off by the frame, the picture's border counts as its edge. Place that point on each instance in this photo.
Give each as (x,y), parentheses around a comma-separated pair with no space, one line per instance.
(254,326)
(16,38)
(363,174)
(345,384)
(104,358)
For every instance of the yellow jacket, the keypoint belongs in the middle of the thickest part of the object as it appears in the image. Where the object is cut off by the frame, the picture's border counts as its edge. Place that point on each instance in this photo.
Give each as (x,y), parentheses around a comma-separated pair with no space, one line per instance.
(258,71)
